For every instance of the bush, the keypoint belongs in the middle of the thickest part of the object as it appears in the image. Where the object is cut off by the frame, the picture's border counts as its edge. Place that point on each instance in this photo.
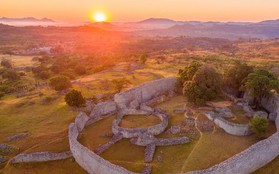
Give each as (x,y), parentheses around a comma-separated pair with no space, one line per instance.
(60,83)
(205,86)
(259,126)
(10,74)
(6,63)
(75,98)
(44,75)
(143,58)
(1,94)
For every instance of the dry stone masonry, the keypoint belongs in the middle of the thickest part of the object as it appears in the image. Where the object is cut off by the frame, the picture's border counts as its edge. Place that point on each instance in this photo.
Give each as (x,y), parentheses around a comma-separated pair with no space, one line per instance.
(256,156)
(137,101)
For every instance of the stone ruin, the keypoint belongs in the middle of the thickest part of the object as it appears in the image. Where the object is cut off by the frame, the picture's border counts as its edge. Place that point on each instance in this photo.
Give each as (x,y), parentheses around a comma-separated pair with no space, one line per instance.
(137,101)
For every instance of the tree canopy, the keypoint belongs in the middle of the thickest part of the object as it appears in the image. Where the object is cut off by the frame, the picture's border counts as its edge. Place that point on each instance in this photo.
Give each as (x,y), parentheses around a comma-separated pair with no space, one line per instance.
(74,98)
(260,83)
(234,76)
(60,83)
(204,86)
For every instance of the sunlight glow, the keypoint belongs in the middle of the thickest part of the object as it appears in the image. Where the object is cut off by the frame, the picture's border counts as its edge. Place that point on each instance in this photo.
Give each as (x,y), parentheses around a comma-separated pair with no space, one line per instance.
(100,17)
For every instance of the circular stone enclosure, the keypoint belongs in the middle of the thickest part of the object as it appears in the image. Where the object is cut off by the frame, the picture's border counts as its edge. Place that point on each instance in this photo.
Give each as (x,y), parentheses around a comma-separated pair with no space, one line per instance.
(137,132)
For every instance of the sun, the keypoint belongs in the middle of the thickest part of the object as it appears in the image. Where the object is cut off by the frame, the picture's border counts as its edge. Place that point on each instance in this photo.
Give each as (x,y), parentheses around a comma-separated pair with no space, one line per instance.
(99,17)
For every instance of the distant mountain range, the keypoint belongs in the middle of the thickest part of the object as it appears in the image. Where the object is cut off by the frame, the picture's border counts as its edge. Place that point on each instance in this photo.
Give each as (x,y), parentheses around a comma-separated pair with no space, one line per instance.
(228,30)
(153,27)
(27,19)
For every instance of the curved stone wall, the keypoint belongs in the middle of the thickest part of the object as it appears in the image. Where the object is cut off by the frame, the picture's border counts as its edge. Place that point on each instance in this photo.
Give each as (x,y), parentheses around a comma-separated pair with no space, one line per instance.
(229,127)
(145,92)
(256,156)
(135,132)
(87,159)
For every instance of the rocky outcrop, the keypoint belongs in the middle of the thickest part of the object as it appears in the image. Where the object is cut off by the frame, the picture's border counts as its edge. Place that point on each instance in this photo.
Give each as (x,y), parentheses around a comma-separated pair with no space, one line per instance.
(40,157)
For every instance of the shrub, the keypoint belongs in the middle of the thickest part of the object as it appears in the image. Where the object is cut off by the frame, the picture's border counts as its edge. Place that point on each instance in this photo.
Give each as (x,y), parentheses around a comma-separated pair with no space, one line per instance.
(259,126)
(60,83)
(143,58)
(10,74)
(205,86)
(75,98)
(1,94)
(6,63)
(44,75)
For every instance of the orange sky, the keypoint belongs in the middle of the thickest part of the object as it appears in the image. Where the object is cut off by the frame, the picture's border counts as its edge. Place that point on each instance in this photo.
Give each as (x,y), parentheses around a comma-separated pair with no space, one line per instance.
(133,10)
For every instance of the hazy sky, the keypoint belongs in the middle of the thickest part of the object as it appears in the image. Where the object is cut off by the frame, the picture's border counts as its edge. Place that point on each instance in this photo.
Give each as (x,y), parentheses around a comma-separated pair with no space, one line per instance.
(133,10)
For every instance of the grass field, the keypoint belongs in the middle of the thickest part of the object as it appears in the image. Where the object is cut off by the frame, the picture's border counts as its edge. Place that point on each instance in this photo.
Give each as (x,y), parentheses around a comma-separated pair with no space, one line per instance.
(19,61)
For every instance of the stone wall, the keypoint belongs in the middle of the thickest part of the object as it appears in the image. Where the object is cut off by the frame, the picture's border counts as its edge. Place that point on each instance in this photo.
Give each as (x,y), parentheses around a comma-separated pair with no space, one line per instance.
(102,110)
(256,156)
(229,127)
(40,157)
(87,159)
(136,132)
(145,92)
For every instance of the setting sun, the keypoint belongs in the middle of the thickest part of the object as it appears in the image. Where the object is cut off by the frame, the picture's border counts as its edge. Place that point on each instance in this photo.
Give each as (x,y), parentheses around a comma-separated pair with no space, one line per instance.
(99,17)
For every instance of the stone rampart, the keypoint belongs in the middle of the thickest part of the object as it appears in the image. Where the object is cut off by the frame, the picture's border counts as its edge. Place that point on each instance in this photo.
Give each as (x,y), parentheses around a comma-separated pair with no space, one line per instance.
(256,156)
(88,160)
(145,92)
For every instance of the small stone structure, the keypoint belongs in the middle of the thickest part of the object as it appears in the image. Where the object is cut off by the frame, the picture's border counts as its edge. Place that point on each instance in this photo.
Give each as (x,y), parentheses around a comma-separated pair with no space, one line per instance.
(229,127)
(40,157)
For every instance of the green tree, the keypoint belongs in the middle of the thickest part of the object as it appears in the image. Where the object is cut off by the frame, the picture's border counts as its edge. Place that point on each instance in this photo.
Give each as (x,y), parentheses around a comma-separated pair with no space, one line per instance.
(260,83)
(75,98)
(60,83)
(259,126)
(188,72)
(205,86)
(234,76)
